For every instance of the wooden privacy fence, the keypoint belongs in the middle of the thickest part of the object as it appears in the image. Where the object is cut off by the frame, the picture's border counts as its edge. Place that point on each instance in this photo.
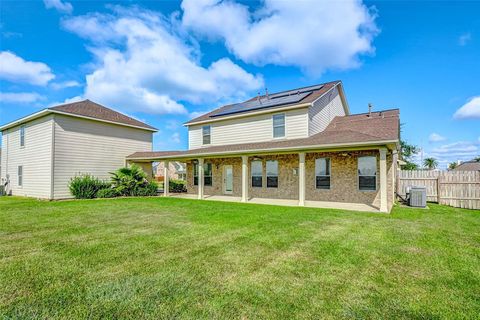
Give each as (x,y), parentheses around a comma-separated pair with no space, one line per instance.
(459,189)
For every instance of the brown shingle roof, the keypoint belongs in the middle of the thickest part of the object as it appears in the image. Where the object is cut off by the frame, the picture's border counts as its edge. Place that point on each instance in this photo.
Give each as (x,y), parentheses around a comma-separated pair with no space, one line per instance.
(353,129)
(308,99)
(468,166)
(87,108)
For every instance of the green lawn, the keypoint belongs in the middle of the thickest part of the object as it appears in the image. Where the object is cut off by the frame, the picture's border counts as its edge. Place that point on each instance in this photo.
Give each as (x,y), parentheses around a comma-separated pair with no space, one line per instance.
(173,258)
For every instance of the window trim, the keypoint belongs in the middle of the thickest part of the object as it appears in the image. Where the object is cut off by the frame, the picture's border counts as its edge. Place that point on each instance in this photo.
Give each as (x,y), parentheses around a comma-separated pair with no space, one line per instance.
(261,174)
(22,136)
(358,175)
(209,135)
(284,125)
(20,176)
(329,170)
(266,174)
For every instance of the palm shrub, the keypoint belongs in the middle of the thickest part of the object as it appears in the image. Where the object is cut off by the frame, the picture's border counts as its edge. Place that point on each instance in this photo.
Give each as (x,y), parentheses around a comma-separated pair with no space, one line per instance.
(86,186)
(131,181)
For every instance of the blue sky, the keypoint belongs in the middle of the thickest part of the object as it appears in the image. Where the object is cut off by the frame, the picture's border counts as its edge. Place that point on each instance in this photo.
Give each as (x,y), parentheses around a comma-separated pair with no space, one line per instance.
(164,62)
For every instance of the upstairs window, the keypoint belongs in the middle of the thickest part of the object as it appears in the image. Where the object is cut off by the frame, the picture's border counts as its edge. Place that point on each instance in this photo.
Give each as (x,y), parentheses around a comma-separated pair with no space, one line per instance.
(257,173)
(22,136)
(278,125)
(322,173)
(367,173)
(20,176)
(272,174)
(207,174)
(206,134)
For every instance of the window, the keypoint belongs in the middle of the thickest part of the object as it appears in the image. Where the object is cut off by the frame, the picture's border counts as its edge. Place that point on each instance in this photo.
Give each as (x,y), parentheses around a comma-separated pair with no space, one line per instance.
(322,173)
(367,173)
(195,174)
(206,134)
(279,125)
(20,176)
(257,173)
(207,174)
(272,174)
(22,136)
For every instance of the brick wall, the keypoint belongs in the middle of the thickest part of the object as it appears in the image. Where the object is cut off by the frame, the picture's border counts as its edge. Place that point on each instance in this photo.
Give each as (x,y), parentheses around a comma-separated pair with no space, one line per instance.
(343,181)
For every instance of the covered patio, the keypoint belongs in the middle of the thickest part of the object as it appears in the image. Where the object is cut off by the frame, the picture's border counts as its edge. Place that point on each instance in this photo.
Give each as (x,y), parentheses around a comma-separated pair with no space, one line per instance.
(231,177)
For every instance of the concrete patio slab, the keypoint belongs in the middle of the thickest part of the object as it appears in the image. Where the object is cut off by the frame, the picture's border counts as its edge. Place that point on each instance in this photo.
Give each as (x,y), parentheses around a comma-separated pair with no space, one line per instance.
(285,202)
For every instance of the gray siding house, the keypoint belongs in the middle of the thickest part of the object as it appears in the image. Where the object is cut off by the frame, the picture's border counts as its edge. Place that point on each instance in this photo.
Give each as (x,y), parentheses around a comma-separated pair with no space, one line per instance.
(43,151)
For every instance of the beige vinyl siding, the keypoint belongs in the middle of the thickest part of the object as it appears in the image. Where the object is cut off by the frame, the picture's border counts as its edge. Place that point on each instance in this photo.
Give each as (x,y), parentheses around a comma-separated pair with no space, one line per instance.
(97,148)
(35,157)
(324,110)
(251,129)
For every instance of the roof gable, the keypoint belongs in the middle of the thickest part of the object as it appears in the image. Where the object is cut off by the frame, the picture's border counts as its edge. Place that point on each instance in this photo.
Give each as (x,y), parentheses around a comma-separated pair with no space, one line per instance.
(90,109)
(85,109)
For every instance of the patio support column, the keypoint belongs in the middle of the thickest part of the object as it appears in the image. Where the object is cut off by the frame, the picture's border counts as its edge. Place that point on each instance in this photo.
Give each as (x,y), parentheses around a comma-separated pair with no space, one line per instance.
(200,179)
(244,178)
(166,178)
(301,179)
(383,180)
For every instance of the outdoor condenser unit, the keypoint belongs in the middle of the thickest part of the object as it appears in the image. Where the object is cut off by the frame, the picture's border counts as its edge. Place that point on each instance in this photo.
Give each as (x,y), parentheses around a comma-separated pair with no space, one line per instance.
(417,197)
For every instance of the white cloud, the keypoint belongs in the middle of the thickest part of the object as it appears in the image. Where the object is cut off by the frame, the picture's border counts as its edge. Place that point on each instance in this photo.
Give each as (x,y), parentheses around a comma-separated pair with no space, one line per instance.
(64,7)
(312,35)
(175,138)
(15,69)
(461,150)
(143,65)
(20,97)
(471,109)
(65,84)
(435,137)
(464,38)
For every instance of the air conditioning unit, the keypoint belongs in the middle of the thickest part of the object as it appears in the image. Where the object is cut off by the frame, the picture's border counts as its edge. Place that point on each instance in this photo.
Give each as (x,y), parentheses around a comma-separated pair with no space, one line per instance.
(417,197)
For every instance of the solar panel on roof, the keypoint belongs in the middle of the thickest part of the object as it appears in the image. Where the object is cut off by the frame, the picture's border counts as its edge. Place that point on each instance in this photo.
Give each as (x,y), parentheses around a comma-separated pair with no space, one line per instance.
(260,104)
(295,91)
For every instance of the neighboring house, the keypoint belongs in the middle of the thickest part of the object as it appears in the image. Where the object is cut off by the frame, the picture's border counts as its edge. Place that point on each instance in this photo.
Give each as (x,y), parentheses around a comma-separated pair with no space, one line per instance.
(472,165)
(301,145)
(176,170)
(43,151)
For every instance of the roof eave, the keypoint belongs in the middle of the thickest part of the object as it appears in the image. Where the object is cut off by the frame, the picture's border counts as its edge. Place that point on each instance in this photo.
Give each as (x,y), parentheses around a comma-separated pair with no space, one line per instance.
(249,114)
(388,143)
(47,111)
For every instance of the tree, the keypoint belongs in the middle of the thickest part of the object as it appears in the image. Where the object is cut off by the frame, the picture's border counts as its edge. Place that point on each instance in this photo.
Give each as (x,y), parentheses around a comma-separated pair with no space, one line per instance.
(430,163)
(407,151)
(477,159)
(452,165)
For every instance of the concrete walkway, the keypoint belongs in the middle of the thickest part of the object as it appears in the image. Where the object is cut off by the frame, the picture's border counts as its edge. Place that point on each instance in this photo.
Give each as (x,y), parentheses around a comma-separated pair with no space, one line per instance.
(285,202)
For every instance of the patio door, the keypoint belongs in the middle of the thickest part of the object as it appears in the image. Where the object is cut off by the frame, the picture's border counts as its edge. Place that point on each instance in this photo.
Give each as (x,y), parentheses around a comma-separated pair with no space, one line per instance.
(228,179)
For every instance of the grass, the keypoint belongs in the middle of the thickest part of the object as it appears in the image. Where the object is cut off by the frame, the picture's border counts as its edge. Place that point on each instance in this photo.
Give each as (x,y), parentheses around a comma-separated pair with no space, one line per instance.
(175,258)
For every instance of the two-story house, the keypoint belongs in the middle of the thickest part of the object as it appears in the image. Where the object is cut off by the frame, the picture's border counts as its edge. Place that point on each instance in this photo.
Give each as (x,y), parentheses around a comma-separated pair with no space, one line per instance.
(41,152)
(301,146)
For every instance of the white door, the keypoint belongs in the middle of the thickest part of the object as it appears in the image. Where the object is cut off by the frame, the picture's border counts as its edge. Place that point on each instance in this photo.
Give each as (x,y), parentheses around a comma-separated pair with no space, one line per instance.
(227,179)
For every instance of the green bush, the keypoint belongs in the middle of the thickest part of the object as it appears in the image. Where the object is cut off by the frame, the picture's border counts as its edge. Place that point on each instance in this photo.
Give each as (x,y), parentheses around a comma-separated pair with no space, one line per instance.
(85,186)
(150,189)
(131,181)
(107,193)
(177,185)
